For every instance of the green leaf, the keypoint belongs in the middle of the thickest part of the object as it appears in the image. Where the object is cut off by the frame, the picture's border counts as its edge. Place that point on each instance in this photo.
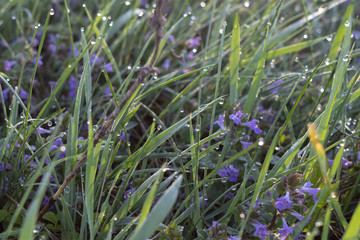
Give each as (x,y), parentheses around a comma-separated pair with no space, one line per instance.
(234,61)
(158,213)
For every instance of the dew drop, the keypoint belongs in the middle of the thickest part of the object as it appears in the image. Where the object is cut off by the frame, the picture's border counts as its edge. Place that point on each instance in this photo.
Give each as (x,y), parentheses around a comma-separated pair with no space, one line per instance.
(242,215)
(296,59)
(98,14)
(111,24)
(92,42)
(13,18)
(182,110)
(127,3)
(261,142)
(66,189)
(69,66)
(268,23)
(346,58)
(247,4)
(52,12)
(206,198)
(187,125)
(104,18)
(63,148)
(84,5)
(306,68)
(329,38)
(223,180)
(233,188)
(159,127)
(68,10)
(129,67)
(305,36)
(115,218)
(221,102)
(202,4)
(49,123)
(197,128)
(347,24)
(141,13)
(303,76)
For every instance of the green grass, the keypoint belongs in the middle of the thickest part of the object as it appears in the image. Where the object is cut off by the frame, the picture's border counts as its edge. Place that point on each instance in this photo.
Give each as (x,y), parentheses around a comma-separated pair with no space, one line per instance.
(158,173)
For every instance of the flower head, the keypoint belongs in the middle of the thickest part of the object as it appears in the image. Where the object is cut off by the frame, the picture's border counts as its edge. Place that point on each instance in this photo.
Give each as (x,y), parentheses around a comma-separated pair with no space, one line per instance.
(246,144)
(260,230)
(166,64)
(8,65)
(283,202)
(236,117)
(108,67)
(193,42)
(311,191)
(286,230)
(253,125)
(230,172)
(220,122)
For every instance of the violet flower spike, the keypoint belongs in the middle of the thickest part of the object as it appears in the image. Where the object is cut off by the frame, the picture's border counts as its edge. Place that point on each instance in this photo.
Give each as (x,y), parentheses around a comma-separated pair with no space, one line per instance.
(286,230)
(311,191)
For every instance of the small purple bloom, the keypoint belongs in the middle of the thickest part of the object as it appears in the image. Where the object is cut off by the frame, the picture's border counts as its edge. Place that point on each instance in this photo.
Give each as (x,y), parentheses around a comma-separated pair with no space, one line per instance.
(345,164)
(23,94)
(229,195)
(5,93)
(107,91)
(311,191)
(233,238)
(166,64)
(8,166)
(40,62)
(193,42)
(43,131)
(97,60)
(171,38)
(260,230)
(236,117)
(190,56)
(253,125)
(356,34)
(123,138)
(108,67)
(246,144)
(52,49)
(220,122)
(230,172)
(277,83)
(286,230)
(8,65)
(284,202)
(297,215)
(72,85)
(58,142)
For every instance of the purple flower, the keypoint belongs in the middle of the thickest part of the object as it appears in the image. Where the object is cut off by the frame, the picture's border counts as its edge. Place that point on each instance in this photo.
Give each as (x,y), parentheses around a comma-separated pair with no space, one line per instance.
(345,164)
(286,230)
(246,144)
(52,49)
(284,202)
(297,215)
(236,117)
(220,122)
(233,238)
(23,94)
(40,62)
(171,38)
(311,191)
(43,131)
(72,85)
(58,142)
(8,166)
(193,42)
(123,138)
(229,195)
(108,67)
(107,91)
(230,172)
(5,93)
(216,230)
(8,65)
(356,34)
(166,64)
(253,125)
(190,56)
(97,60)
(130,191)
(276,84)
(260,230)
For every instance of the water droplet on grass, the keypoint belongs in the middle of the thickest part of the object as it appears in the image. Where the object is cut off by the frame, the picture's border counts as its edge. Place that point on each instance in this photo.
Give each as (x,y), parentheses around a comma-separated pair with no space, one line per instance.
(84,5)
(13,18)
(66,189)
(202,4)
(346,58)
(127,3)
(111,24)
(329,39)
(247,4)
(347,24)
(52,12)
